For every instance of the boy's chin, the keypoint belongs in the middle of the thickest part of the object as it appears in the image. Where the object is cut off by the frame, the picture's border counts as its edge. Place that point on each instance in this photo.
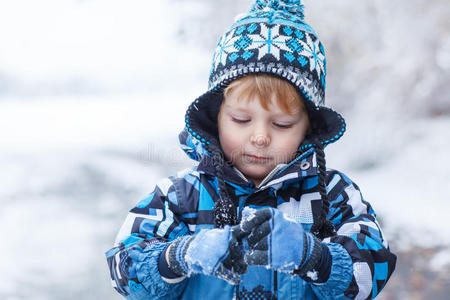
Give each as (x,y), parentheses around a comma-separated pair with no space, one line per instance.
(256,173)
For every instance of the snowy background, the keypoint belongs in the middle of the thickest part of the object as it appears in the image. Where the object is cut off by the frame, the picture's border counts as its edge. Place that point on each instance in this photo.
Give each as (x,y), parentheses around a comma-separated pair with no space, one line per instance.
(93,94)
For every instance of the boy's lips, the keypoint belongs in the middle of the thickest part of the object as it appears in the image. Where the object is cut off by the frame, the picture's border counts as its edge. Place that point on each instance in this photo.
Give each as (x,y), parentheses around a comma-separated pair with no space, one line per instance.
(256,158)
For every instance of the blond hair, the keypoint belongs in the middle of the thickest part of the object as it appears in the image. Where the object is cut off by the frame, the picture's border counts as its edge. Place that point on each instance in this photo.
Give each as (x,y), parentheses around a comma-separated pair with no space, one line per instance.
(265,87)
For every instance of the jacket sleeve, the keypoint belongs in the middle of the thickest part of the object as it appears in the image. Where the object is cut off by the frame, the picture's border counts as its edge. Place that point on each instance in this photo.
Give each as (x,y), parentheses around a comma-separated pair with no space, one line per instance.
(361,260)
(146,232)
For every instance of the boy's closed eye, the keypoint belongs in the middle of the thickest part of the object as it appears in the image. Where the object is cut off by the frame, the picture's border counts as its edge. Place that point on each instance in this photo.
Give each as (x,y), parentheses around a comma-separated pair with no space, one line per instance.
(247,120)
(283,126)
(240,120)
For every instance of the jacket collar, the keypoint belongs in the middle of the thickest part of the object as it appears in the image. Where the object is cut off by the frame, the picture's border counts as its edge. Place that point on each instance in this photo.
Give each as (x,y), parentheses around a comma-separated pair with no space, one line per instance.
(304,165)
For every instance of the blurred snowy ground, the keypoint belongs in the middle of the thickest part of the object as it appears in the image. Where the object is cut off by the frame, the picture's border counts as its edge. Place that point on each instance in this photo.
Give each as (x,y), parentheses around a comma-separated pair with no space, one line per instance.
(93,94)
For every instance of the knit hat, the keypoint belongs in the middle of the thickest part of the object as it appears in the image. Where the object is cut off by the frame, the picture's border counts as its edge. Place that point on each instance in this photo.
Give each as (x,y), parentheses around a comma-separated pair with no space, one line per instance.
(272,38)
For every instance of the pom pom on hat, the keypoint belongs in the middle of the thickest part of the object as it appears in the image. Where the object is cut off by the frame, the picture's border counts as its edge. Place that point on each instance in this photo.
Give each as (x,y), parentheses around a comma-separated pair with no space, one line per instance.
(289,6)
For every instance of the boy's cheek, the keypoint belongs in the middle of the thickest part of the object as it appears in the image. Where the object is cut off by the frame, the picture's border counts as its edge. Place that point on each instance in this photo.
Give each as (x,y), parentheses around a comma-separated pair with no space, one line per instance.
(232,150)
(229,146)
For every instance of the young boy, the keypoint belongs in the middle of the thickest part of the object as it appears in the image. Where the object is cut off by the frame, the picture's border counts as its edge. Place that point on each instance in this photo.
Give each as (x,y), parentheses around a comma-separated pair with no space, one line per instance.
(260,217)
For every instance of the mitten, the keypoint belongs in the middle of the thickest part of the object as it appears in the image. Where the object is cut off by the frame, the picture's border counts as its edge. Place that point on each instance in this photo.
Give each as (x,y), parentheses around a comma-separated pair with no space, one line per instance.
(278,242)
(214,252)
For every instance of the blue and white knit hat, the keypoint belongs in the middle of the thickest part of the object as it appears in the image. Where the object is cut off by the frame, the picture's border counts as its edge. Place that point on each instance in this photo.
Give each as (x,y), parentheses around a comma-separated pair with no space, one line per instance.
(273,38)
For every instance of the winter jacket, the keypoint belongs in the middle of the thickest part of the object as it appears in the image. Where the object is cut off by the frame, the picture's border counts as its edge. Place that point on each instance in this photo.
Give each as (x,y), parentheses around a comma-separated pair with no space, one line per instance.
(184,204)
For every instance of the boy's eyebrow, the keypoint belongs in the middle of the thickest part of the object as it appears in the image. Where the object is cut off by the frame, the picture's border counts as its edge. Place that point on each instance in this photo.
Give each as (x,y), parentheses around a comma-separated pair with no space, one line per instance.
(235,108)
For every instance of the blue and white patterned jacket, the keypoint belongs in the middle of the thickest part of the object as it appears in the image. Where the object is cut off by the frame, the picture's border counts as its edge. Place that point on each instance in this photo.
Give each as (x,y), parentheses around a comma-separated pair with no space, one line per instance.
(184,203)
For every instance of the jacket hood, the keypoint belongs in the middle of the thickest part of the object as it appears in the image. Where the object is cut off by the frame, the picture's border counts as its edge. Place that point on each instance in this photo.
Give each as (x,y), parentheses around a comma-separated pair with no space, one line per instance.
(193,148)
(200,137)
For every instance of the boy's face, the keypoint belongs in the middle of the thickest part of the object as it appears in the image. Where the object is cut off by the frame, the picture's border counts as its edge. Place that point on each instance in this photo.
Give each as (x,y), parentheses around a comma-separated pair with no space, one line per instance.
(256,140)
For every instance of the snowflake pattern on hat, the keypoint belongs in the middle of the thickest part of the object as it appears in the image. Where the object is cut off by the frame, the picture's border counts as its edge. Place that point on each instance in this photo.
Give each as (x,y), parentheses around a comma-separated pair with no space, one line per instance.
(271,41)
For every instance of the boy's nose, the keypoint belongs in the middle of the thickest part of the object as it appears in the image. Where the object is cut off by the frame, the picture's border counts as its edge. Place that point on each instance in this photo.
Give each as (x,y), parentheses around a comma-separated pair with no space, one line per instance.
(260,140)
